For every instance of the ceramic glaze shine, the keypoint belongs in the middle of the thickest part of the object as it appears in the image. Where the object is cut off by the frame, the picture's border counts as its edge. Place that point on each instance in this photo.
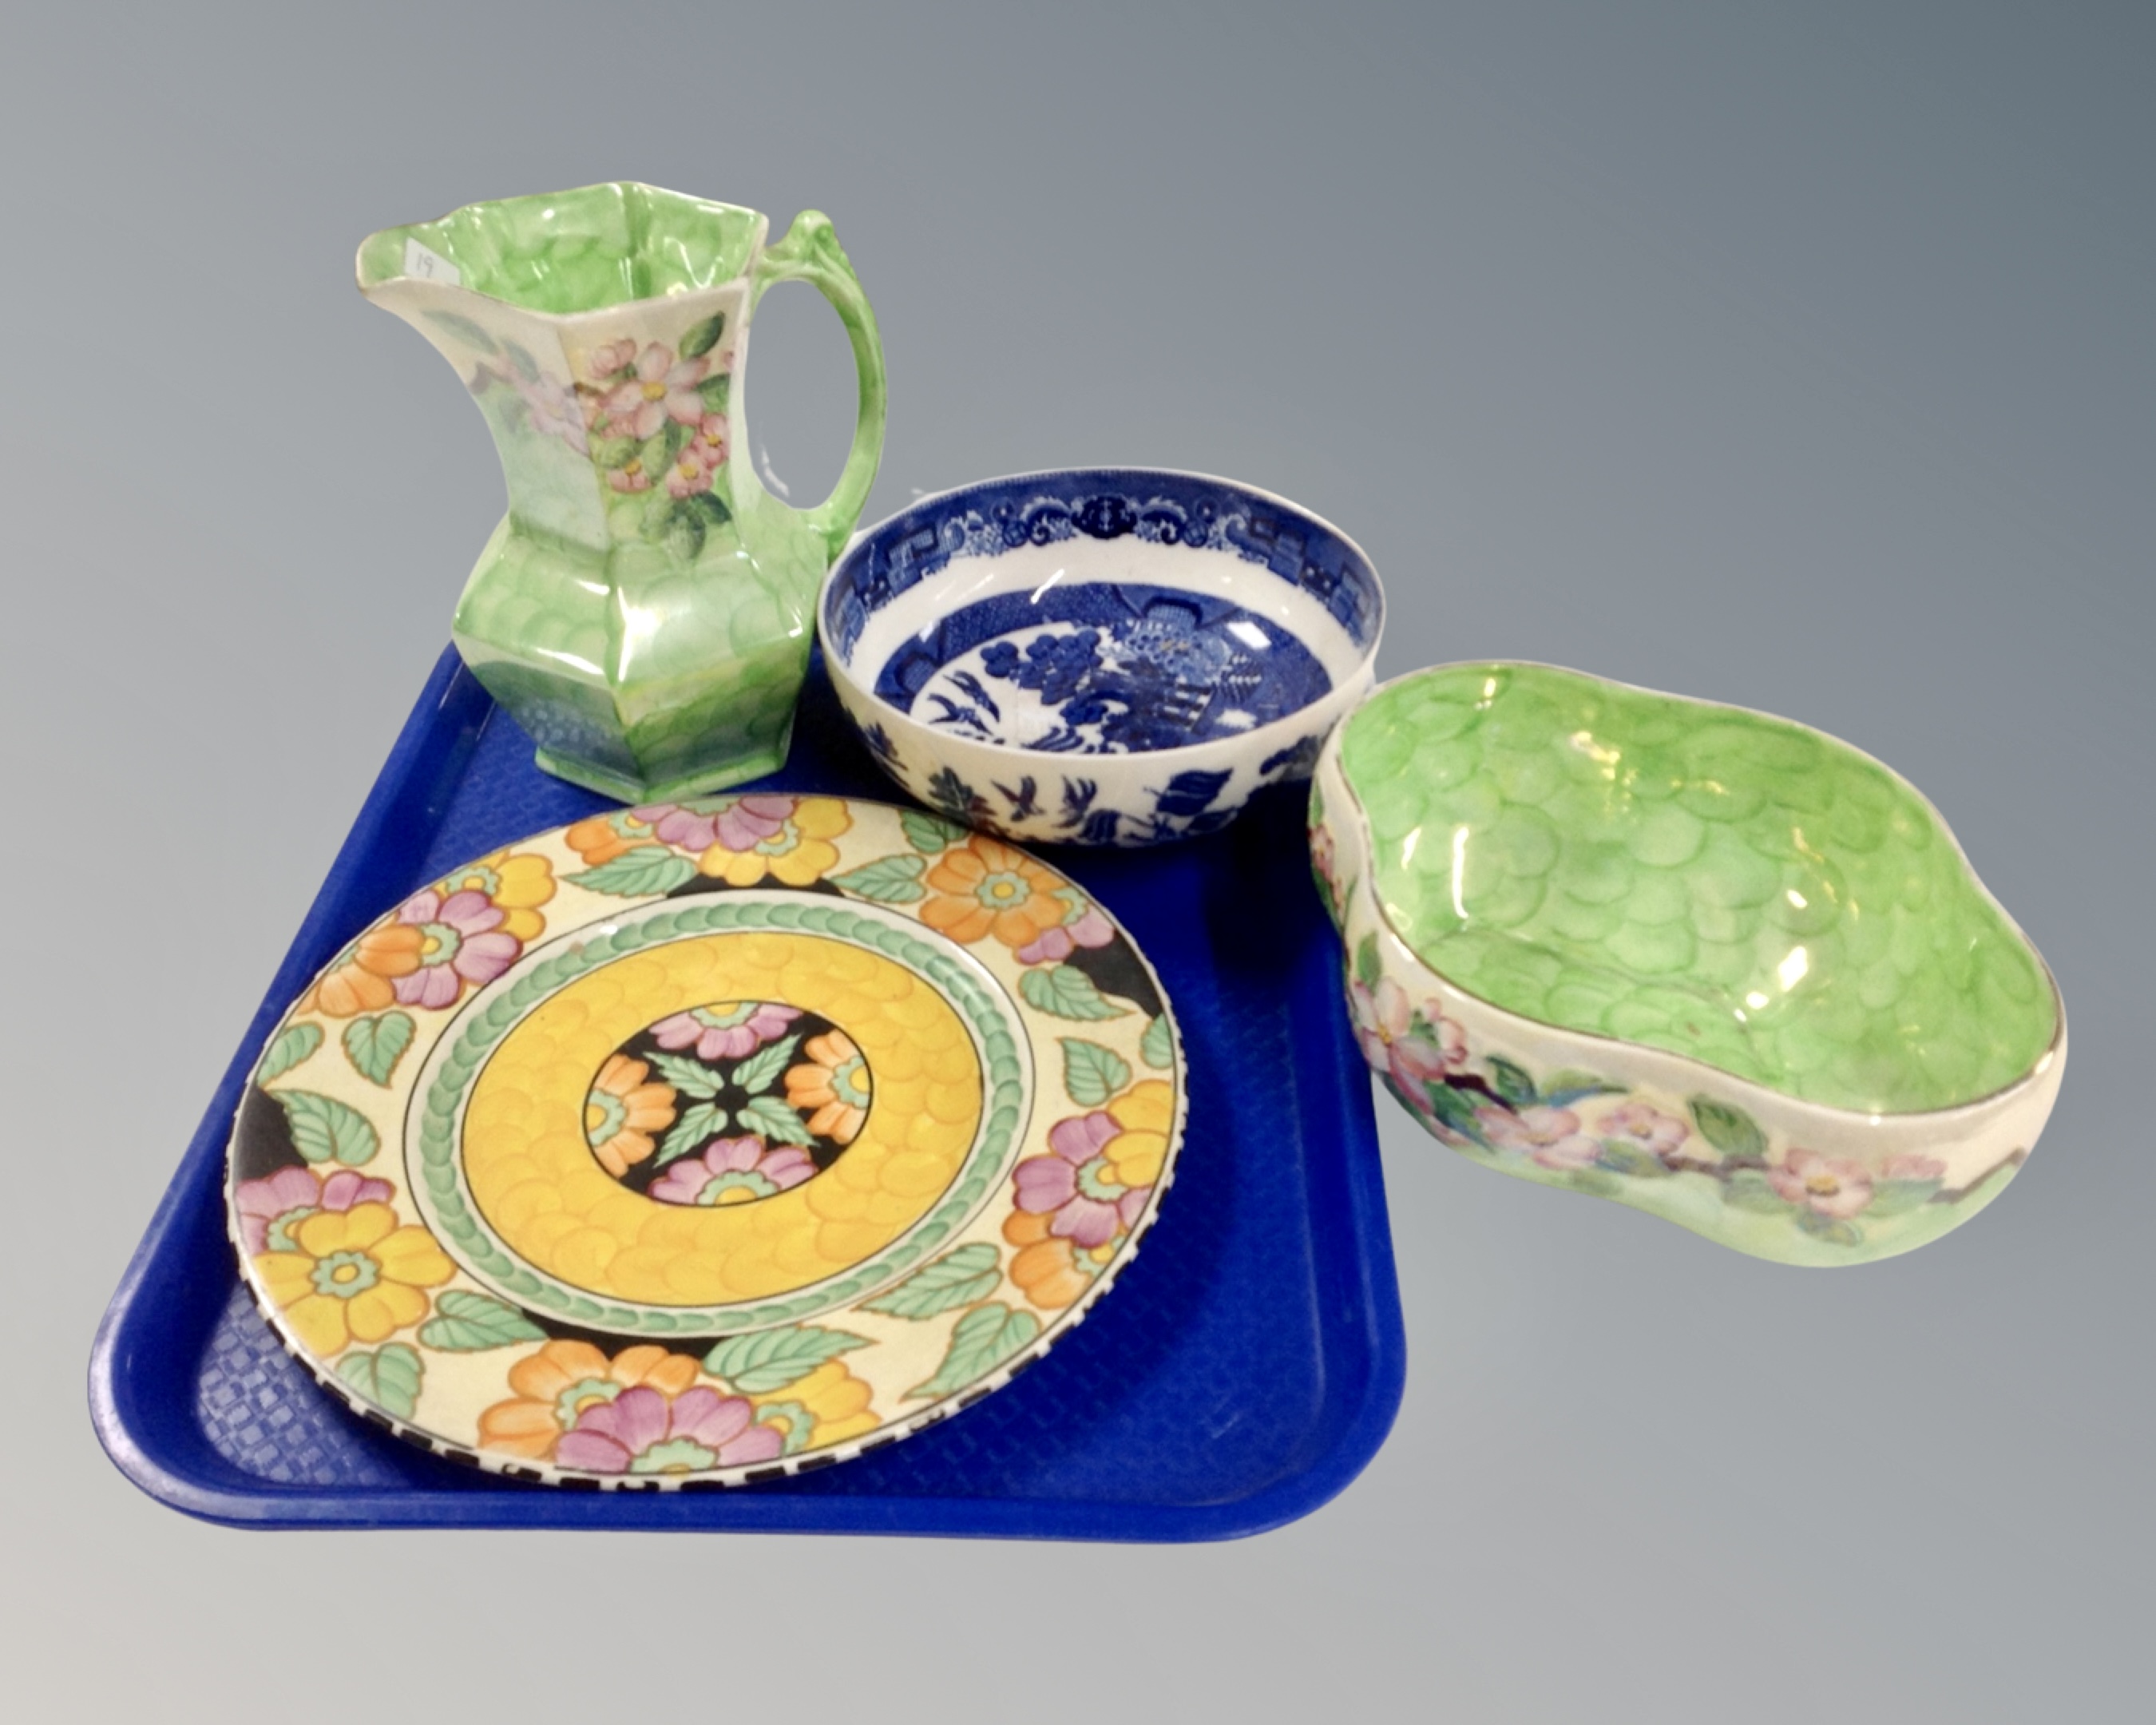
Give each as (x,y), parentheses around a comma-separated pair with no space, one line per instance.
(1697,878)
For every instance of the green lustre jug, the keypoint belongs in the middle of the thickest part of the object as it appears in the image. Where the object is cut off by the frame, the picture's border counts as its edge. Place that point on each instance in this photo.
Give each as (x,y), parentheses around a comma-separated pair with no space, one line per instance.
(645,609)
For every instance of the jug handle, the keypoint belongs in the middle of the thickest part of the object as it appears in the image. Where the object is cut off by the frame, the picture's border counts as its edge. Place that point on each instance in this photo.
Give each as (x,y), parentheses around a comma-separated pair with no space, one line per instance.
(811,253)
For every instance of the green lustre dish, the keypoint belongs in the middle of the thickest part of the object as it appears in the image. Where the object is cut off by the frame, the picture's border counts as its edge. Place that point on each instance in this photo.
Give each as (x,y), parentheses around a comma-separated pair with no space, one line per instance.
(643,609)
(1705,961)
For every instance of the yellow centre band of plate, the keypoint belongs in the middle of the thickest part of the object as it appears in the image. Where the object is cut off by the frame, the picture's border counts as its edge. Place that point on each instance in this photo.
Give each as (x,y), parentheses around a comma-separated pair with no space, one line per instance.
(531,1172)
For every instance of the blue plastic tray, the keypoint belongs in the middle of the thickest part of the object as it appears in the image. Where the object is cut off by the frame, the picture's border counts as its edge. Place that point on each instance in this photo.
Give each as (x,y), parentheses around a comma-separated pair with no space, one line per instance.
(1246,1367)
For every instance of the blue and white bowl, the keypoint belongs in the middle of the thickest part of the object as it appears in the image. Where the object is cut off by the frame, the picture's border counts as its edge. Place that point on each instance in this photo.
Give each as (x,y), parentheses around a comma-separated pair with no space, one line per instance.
(1106,655)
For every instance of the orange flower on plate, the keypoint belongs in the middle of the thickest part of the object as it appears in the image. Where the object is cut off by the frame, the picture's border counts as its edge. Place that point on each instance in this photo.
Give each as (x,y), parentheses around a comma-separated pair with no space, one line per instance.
(984,887)
(1049,1271)
(833,1081)
(562,1380)
(622,1111)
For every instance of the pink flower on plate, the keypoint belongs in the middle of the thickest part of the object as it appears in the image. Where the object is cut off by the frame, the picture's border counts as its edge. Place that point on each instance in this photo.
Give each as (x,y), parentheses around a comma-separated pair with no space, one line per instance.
(1077,1184)
(271,1207)
(1661,1134)
(602,363)
(1414,1059)
(725,1031)
(734,1171)
(641,1432)
(1089,928)
(1551,1137)
(460,941)
(1834,1186)
(662,389)
(740,824)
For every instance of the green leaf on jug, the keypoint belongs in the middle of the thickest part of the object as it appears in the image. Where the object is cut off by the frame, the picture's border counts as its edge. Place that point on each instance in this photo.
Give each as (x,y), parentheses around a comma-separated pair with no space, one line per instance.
(716,392)
(701,338)
(528,367)
(464,330)
(1731,1131)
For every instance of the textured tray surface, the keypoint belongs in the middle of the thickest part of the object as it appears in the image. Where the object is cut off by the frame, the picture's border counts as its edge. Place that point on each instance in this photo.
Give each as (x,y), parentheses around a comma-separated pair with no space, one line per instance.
(1246,1367)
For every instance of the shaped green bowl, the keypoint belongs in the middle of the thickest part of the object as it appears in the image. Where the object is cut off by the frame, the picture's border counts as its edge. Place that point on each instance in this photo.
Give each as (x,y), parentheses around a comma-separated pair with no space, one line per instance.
(1713,964)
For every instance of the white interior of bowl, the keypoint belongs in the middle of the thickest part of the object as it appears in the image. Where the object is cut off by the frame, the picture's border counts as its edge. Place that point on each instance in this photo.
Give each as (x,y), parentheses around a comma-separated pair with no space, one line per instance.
(1281,630)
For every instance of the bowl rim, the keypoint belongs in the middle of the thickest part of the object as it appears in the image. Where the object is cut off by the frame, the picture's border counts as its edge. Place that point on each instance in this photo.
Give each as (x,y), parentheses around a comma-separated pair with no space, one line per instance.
(1356,678)
(2048,1066)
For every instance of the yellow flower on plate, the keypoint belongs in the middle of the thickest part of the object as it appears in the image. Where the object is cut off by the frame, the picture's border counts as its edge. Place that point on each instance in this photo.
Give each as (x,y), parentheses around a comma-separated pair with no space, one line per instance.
(828,1406)
(1143,1111)
(354,1276)
(516,885)
(786,839)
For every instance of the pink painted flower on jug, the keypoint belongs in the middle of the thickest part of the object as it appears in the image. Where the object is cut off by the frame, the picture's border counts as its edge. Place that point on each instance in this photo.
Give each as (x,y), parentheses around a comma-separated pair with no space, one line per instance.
(661,389)
(641,1432)
(726,1030)
(602,363)
(1833,1186)
(1413,1055)
(1550,1138)
(1661,1134)
(458,940)
(688,475)
(734,1171)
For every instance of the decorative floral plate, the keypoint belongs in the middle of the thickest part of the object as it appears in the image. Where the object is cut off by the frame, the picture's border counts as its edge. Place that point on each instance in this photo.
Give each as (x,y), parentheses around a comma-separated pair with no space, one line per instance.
(705,1143)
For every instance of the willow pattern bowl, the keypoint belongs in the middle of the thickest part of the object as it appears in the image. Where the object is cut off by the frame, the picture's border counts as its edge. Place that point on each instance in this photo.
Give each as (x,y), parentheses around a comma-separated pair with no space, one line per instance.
(1100,656)
(1711,964)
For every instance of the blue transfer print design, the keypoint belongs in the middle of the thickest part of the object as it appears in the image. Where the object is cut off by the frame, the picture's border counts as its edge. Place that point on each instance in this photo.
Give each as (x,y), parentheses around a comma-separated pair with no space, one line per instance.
(1102,667)
(1041,509)
(1298,760)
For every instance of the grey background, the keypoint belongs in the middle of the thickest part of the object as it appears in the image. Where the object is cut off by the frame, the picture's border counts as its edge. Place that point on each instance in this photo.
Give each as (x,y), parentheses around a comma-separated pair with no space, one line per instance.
(1793,355)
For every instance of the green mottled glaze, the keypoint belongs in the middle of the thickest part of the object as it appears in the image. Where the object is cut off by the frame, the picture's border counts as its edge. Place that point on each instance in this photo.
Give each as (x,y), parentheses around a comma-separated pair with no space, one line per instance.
(645,608)
(1725,885)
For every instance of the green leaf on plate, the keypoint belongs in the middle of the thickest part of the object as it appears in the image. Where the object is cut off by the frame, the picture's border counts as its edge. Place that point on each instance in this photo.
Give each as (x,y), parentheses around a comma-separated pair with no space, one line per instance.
(765,1360)
(326,1130)
(929,832)
(1091,1073)
(692,1078)
(956,1279)
(775,1119)
(293,1045)
(375,1045)
(689,1133)
(761,1069)
(984,1338)
(646,869)
(1067,991)
(468,1322)
(1158,1047)
(888,880)
(389,1377)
